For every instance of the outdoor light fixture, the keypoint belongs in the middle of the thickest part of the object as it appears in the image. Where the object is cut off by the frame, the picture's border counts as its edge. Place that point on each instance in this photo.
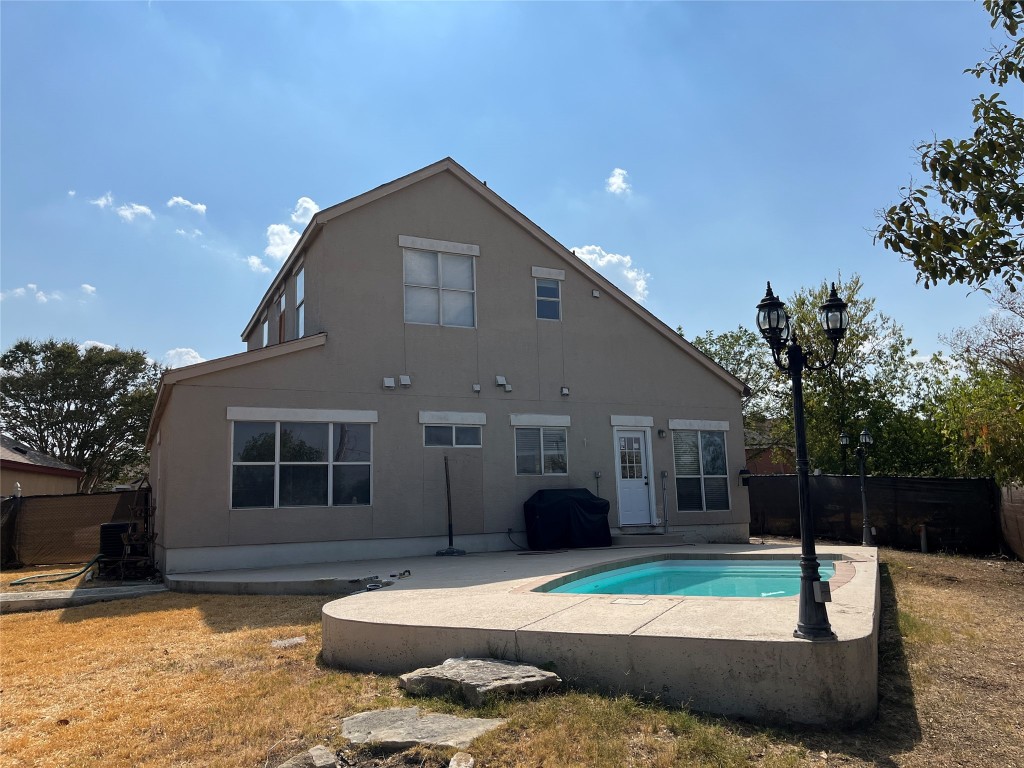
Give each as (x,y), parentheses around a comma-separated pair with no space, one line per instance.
(662,433)
(844,443)
(862,454)
(565,391)
(774,324)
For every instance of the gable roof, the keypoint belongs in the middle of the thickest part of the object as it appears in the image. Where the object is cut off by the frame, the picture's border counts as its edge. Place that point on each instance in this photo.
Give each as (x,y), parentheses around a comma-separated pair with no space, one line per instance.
(13,452)
(448,165)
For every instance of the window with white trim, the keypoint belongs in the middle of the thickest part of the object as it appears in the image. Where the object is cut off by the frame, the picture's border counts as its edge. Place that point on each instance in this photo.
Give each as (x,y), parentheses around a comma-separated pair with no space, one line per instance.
(549,299)
(300,464)
(266,331)
(282,310)
(300,303)
(452,435)
(701,468)
(541,451)
(440,288)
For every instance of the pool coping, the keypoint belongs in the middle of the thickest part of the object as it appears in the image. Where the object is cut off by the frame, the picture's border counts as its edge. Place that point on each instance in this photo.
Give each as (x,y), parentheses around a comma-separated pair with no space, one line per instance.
(734,656)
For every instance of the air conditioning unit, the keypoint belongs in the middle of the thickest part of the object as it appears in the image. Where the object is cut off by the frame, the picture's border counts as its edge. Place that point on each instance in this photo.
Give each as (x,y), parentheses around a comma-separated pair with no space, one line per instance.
(113,545)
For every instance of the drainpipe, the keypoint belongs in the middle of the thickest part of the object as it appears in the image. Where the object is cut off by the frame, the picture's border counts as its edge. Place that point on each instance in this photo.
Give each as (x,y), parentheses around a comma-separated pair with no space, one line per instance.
(664,498)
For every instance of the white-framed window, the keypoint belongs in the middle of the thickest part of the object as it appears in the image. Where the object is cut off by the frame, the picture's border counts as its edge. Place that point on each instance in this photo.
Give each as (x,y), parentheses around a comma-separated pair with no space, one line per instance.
(300,464)
(266,330)
(541,451)
(701,468)
(452,435)
(440,288)
(300,303)
(549,299)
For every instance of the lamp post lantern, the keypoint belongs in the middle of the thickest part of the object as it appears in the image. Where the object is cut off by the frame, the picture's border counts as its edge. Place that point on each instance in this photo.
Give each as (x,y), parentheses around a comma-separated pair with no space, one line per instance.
(862,451)
(774,324)
(844,443)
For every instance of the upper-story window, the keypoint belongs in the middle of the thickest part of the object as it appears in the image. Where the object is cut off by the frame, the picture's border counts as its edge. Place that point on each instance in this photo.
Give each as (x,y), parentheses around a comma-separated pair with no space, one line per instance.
(548,290)
(300,303)
(281,316)
(440,288)
(265,331)
(549,300)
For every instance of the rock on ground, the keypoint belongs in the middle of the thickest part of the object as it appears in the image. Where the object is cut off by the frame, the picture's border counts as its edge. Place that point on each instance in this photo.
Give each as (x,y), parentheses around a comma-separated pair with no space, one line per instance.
(317,757)
(405,727)
(476,679)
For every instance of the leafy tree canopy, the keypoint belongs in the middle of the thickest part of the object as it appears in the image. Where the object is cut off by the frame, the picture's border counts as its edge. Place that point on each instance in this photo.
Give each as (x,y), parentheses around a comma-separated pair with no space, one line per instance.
(89,408)
(967,224)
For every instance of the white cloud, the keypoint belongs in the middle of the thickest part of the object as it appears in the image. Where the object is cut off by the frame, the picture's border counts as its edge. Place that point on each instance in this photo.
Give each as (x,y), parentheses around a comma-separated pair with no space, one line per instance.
(131,210)
(617,268)
(192,235)
(617,184)
(199,208)
(71,193)
(280,240)
(14,293)
(179,356)
(304,211)
(89,290)
(90,344)
(103,202)
(256,264)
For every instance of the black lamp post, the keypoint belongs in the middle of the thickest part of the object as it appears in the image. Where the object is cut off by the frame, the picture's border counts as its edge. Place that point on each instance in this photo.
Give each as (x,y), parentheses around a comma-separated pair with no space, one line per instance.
(844,443)
(773,322)
(862,454)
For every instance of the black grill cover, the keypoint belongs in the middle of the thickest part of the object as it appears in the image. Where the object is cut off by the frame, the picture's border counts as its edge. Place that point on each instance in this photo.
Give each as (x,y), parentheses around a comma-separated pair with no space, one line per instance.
(560,518)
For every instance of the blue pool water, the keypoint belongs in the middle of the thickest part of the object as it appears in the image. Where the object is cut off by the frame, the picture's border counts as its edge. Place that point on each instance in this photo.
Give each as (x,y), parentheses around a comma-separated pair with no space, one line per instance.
(698,578)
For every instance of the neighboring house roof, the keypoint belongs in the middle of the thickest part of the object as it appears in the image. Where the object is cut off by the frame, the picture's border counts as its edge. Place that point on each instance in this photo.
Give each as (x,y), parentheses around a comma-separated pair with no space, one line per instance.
(15,455)
(448,165)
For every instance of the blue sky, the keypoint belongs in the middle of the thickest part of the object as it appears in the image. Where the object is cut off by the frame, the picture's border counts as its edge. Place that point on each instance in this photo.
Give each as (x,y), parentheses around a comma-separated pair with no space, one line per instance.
(158,158)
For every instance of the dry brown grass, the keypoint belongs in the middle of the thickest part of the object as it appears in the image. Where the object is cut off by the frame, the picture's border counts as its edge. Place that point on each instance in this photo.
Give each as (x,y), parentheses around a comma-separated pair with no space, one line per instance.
(174,680)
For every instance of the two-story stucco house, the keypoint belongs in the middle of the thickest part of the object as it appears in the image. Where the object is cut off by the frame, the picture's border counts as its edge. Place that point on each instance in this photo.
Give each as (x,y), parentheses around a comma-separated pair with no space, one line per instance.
(423,319)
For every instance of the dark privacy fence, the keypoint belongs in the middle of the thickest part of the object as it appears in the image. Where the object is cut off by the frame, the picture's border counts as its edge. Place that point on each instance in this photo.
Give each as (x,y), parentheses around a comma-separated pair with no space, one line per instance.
(52,530)
(958,515)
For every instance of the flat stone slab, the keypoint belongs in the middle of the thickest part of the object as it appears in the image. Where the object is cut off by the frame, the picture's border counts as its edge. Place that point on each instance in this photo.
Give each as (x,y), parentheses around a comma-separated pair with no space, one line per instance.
(15,602)
(475,679)
(317,757)
(405,727)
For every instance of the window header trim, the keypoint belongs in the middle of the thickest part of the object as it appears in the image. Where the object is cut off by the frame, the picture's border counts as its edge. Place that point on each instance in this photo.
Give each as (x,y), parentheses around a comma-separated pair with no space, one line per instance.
(546,273)
(242,413)
(539,420)
(720,426)
(453,417)
(445,246)
(632,421)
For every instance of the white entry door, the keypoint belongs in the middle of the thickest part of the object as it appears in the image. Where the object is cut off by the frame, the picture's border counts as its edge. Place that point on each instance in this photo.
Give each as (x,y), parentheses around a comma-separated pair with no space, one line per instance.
(634,477)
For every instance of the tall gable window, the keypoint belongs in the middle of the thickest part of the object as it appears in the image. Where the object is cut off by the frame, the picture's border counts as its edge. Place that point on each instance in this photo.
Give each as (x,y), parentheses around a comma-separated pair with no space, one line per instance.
(282,309)
(300,303)
(440,282)
(702,478)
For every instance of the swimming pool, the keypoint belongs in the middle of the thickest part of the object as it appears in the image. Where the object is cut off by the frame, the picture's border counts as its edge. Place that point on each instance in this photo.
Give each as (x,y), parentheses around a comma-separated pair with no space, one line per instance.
(697,578)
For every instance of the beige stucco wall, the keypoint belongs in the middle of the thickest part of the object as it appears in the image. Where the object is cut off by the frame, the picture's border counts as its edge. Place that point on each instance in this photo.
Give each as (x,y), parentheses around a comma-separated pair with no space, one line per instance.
(612,360)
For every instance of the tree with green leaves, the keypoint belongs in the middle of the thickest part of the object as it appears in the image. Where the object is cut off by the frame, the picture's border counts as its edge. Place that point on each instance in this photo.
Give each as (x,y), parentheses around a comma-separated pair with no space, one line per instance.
(967,224)
(87,407)
(979,403)
(872,385)
(744,354)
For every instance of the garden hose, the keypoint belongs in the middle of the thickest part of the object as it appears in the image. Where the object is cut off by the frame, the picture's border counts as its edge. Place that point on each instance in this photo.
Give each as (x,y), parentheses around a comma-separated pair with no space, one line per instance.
(47,578)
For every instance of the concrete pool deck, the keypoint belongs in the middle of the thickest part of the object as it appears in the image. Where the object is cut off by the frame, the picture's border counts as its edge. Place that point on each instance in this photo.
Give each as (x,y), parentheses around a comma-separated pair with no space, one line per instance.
(731,656)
